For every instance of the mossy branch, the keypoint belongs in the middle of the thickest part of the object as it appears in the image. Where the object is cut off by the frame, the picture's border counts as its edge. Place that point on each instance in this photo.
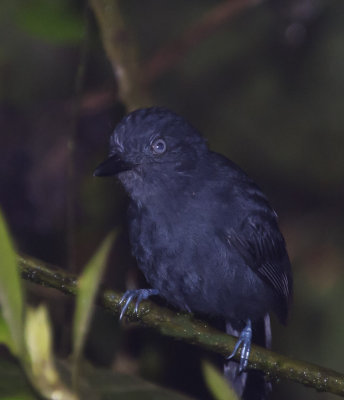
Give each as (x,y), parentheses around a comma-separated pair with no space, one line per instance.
(185,327)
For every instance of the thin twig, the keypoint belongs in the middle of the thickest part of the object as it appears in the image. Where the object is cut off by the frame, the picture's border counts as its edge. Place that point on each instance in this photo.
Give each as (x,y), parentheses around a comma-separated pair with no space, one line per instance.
(185,327)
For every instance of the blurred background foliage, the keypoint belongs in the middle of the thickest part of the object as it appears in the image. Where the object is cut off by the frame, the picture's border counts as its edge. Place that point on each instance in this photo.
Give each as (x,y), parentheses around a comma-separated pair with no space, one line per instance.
(265,86)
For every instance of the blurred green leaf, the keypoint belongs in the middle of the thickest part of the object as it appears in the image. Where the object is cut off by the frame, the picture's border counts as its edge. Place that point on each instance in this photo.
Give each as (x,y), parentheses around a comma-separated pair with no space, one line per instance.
(5,335)
(40,365)
(217,384)
(87,289)
(54,21)
(11,295)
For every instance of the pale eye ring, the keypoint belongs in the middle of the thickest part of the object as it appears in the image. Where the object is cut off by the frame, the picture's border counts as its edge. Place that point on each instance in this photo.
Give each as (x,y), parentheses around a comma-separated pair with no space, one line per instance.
(159,146)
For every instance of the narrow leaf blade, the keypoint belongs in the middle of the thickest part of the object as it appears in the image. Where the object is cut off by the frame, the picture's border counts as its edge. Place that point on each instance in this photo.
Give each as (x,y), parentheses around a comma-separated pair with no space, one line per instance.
(11,294)
(40,363)
(87,289)
(5,335)
(217,384)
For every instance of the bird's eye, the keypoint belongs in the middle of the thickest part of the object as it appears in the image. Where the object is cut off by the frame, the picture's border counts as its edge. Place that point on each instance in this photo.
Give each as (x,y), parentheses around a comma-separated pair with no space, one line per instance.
(159,146)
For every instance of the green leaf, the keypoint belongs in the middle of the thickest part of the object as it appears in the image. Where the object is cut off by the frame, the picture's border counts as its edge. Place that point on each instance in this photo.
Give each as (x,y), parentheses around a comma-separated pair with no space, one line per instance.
(217,384)
(54,21)
(87,289)
(11,294)
(40,364)
(5,335)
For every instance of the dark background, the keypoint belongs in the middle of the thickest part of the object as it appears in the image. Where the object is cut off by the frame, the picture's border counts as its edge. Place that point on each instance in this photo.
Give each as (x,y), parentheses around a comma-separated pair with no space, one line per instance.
(265,88)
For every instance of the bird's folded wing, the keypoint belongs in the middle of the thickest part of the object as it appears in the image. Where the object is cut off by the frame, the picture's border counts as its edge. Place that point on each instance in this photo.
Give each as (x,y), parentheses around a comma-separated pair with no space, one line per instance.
(263,249)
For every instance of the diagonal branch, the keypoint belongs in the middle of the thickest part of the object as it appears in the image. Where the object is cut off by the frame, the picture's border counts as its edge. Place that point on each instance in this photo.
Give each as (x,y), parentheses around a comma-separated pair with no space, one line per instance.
(132,78)
(173,52)
(185,327)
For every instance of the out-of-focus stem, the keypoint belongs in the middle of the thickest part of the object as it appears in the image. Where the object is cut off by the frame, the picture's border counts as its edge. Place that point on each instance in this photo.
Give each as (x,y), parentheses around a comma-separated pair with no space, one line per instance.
(121,51)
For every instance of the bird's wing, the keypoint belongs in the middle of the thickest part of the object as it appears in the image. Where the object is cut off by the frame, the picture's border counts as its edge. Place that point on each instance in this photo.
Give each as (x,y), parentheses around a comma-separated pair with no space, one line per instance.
(261,245)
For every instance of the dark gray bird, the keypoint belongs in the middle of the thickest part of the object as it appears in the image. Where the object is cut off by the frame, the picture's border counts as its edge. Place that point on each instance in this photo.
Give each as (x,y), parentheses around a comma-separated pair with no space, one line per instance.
(203,233)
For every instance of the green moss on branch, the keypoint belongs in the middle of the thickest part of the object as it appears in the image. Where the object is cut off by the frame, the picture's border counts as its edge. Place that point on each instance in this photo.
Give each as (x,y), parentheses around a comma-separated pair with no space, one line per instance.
(185,327)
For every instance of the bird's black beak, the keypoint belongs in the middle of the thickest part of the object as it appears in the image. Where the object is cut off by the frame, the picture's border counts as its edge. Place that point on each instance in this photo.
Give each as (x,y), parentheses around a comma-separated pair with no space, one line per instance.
(112,166)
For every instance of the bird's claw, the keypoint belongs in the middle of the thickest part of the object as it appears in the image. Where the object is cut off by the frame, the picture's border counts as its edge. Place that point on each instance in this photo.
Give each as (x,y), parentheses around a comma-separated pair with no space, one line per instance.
(140,294)
(245,339)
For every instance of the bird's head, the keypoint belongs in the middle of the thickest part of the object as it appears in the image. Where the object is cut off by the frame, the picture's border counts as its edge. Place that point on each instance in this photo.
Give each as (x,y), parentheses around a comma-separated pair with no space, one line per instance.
(151,139)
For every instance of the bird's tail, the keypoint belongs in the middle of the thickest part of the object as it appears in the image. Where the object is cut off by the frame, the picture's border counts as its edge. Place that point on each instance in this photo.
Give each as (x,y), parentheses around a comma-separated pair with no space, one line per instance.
(250,385)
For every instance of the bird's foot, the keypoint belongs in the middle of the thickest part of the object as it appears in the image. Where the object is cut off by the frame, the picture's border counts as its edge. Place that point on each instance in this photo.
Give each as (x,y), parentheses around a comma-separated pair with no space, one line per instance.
(245,339)
(140,294)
